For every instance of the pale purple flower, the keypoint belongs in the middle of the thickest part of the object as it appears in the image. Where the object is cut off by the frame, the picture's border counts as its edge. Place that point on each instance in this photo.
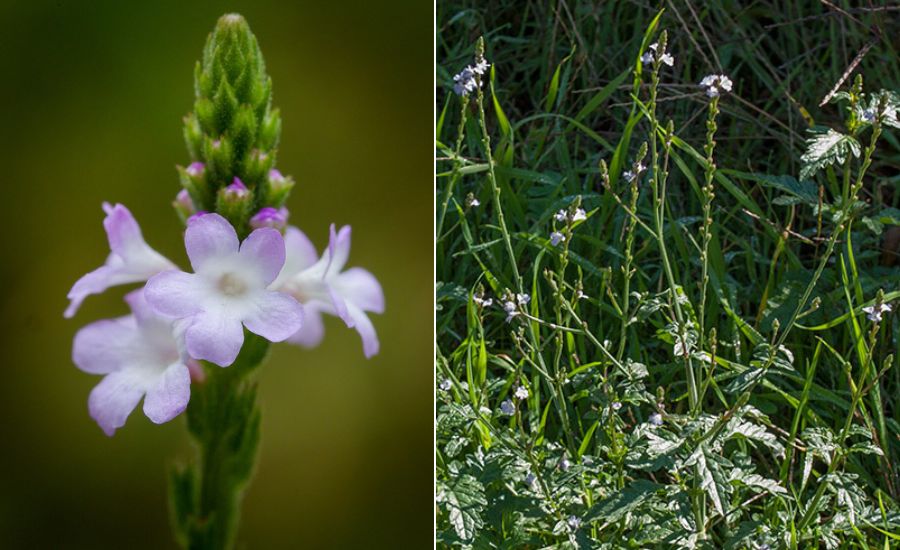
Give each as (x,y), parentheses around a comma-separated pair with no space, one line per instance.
(275,176)
(270,217)
(322,287)
(508,407)
(141,357)
(579,215)
(556,237)
(464,82)
(229,289)
(616,405)
(131,260)
(650,56)
(564,464)
(521,393)
(511,310)
(874,313)
(196,216)
(446,384)
(482,301)
(481,66)
(530,479)
(869,115)
(561,216)
(574,522)
(629,176)
(715,84)
(656,419)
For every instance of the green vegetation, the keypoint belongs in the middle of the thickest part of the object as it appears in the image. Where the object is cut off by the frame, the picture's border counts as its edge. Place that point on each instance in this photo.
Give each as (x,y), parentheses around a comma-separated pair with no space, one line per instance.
(663,316)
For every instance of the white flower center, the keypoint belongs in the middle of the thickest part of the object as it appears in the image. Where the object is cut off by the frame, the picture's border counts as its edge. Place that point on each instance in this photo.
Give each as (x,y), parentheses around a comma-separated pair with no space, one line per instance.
(232,285)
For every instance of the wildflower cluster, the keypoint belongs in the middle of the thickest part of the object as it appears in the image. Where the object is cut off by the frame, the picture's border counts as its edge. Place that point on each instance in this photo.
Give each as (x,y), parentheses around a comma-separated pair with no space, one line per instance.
(469,79)
(715,84)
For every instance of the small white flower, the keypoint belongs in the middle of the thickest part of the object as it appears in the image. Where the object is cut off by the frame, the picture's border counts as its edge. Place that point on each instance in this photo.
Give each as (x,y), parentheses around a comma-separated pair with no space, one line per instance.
(511,310)
(640,167)
(667,59)
(556,237)
(464,82)
(656,419)
(874,313)
(474,202)
(564,464)
(481,66)
(508,407)
(869,115)
(465,387)
(482,301)
(629,176)
(560,216)
(574,522)
(446,384)
(579,215)
(616,405)
(530,479)
(523,299)
(715,84)
(579,294)
(484,410)
(647,58)
(521,393)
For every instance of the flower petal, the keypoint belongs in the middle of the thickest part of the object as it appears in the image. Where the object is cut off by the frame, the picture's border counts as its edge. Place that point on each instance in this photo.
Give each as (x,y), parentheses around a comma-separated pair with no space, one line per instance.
(340,307)
(214,337)
(276,318)
(338,248)
(300,254)
(312,330)
(209,237)
(105,346)
(113,399)
(365,329)
(122,231)
(96,282)
(360,287)
(264,248)
(170,396)
(174,293)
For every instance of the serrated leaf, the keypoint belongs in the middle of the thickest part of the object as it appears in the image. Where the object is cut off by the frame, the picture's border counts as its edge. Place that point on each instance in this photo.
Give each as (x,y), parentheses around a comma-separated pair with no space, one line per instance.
(826,148)
(463,497)
(804,191)
(612,508)
(712,478)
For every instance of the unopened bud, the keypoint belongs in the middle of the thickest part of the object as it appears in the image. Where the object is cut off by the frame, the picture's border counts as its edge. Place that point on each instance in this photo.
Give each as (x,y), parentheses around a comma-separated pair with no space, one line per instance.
(270,217)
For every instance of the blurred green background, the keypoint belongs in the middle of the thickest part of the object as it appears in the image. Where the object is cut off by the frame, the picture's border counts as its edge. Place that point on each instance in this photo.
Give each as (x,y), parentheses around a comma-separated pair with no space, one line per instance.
(92,97)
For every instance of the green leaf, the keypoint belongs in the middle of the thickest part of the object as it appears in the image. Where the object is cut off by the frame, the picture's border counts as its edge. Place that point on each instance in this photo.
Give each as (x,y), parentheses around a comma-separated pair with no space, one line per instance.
(806,191)
(463,498)
(614,507)
(826,148)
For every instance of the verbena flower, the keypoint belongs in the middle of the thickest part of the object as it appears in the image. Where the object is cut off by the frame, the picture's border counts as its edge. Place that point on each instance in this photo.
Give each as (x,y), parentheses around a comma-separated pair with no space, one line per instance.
(511,309)
(508,407)
(579,215)
(874,312)
(616,405)
(556,237)
(561,216)
(446,384)
(141,357)
(467,80)
(530,479)
(656,419)
(131,260)
(521,393)
(564,464)
(715,84)
(229,289)
(663,56)
(574,522)
(321,286)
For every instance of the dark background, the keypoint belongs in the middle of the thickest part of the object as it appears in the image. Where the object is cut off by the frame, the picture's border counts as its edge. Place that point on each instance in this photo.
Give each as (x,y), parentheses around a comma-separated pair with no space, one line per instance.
(91,98)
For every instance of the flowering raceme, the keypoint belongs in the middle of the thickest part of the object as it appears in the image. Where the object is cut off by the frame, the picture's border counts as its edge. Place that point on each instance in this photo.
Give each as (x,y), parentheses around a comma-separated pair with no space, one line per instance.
(276,287)
(272,283)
